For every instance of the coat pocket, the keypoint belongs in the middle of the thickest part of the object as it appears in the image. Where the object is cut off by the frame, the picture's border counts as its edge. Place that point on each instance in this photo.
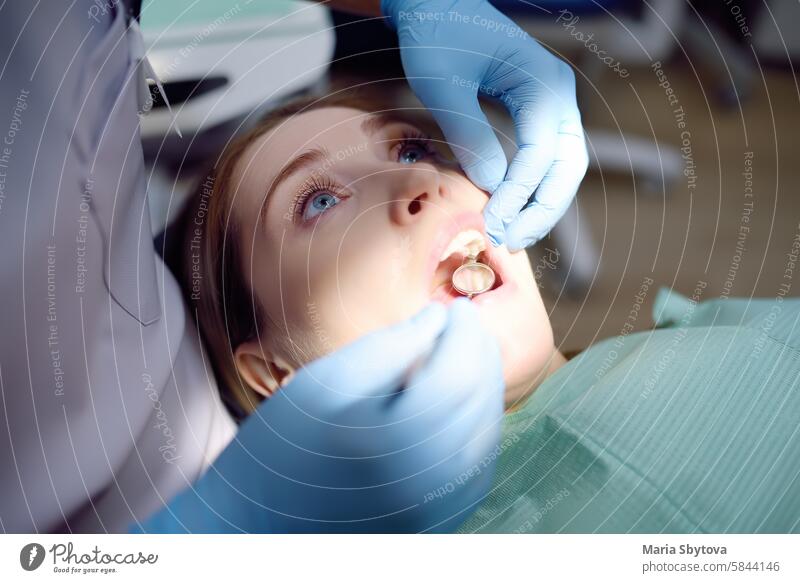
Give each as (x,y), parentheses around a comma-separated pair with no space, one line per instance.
(114,177)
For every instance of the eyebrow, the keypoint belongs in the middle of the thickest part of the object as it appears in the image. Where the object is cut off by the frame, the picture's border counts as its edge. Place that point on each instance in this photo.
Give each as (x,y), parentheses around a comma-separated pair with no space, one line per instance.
(370,125)
(308,158)
(374,123)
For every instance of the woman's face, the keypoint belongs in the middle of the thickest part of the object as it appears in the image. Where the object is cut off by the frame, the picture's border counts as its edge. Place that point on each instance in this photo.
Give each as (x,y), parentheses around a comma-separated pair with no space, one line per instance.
(359,211)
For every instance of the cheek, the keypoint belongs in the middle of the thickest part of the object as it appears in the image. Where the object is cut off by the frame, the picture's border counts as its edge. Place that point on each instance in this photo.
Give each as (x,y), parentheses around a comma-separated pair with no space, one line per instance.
(342,287)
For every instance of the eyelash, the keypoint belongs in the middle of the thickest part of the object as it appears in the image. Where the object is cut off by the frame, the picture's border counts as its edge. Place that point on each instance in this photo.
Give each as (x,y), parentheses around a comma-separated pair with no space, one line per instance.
(416,138)
(326,184)
(314,187)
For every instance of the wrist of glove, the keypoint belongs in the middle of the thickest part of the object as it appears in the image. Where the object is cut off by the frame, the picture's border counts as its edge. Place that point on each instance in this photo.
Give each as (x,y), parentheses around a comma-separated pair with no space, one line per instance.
(454,50)
(398,12)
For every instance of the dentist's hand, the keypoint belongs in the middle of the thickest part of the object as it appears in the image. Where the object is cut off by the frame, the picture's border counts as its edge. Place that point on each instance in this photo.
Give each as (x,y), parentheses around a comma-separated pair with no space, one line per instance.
(391,433)
(451,50)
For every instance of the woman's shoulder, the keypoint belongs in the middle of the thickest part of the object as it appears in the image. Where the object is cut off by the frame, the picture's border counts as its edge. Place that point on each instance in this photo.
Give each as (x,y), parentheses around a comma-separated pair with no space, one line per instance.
(776,318)
(652,431)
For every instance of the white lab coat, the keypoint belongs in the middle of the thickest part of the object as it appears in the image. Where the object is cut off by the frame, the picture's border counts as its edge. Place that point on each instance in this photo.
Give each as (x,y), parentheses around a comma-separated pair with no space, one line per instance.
(108,408)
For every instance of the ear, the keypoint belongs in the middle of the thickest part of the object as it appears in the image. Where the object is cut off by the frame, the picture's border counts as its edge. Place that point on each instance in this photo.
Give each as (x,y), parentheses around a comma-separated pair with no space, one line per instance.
(264,371)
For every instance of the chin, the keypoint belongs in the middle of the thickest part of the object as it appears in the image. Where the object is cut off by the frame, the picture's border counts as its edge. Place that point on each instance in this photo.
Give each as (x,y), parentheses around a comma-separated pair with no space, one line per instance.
(515,315)
(525,372)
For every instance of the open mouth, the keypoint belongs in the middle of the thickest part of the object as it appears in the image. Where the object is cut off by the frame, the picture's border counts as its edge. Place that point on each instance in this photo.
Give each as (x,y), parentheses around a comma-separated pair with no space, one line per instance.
(465,245)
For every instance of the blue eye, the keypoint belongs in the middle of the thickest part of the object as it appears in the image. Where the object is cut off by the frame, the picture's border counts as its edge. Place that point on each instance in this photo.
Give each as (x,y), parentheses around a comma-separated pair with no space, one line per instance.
(412,153)
(319,203)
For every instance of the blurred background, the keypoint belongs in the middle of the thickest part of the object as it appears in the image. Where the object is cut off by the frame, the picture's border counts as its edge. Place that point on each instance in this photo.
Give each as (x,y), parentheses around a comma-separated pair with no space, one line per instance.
(692,113)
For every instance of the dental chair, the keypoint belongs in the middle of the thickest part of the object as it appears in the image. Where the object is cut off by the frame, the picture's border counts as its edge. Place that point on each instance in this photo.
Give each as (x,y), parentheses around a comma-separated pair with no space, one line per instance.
(221,65)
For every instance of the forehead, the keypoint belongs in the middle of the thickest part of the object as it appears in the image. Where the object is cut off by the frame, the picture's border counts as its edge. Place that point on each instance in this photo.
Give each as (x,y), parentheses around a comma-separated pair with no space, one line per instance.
(326,127)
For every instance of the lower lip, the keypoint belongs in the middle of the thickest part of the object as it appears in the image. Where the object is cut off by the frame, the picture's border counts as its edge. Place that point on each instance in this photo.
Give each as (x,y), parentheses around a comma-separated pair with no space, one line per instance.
(499,294)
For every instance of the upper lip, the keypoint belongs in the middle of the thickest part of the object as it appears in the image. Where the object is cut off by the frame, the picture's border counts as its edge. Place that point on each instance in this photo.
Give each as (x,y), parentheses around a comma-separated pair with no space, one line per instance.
(452,227)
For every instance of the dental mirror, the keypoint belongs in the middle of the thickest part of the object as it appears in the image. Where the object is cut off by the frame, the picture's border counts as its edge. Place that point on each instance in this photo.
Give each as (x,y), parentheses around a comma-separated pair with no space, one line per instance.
(472,277)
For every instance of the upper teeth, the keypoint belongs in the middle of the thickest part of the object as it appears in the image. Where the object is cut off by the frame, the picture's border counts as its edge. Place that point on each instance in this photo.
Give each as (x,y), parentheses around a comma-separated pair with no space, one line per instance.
(471,242)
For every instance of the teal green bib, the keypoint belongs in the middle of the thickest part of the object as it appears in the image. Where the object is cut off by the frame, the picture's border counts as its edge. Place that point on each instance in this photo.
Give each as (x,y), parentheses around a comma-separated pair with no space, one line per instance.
(692,427)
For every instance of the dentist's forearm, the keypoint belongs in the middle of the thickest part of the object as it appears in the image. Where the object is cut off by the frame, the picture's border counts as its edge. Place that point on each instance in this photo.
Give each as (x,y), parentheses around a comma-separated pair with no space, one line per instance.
(363,7)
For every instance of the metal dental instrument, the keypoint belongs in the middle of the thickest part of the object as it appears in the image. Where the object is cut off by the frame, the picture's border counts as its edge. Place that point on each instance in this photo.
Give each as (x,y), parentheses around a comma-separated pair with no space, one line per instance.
(473,277)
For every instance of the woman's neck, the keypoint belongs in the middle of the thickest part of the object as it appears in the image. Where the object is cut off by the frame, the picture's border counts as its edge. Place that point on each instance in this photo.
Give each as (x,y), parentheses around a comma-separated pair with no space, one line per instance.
(518,395)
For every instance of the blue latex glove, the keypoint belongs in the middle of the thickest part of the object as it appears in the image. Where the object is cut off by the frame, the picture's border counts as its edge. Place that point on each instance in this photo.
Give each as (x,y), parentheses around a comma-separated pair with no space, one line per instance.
(380,436)
(451,50)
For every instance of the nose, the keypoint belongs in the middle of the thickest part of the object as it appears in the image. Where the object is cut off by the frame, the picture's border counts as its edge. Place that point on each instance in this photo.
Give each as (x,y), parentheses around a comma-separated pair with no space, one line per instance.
(415,191)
